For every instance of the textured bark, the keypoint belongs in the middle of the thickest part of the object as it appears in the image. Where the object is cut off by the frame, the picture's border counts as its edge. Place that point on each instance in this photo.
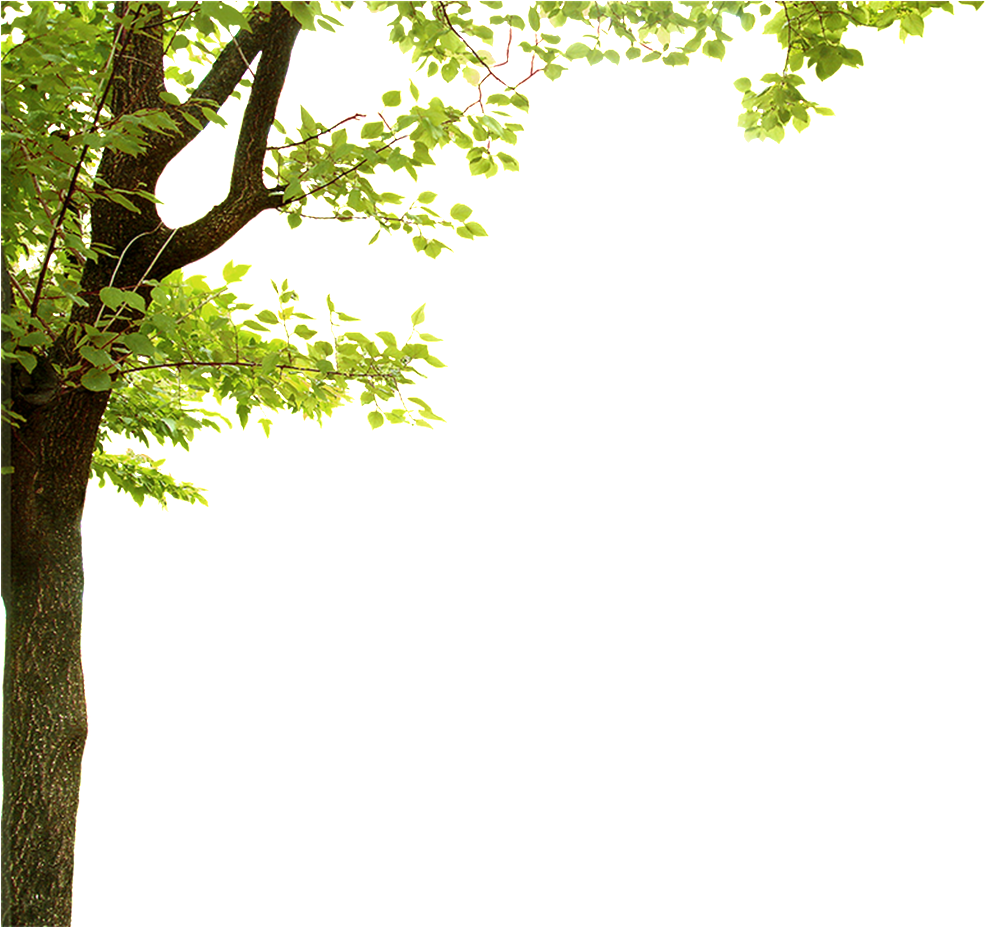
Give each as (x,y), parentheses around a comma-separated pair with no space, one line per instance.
(50,452)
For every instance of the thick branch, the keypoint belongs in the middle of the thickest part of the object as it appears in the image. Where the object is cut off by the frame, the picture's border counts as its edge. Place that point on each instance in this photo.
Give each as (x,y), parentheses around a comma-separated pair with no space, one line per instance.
(247,197)
(229,67)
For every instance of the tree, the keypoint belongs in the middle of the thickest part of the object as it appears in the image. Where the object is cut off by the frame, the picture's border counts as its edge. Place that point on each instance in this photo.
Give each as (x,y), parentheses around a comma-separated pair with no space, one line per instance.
(103,334)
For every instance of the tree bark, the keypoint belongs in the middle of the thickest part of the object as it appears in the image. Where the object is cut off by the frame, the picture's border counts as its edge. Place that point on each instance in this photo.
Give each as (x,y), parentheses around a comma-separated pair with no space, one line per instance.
(47,452)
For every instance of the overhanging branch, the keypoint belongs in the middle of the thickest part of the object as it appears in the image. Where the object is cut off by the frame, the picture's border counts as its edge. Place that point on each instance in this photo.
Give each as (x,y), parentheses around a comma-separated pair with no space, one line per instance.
(247,196)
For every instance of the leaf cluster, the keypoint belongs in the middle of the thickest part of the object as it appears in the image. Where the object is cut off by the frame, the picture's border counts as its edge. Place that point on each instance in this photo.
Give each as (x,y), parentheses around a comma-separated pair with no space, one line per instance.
(200,348)
(166,347)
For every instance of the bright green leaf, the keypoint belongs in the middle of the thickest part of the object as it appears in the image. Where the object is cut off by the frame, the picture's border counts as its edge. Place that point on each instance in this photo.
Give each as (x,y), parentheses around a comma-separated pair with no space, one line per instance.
(460,212)
(510,163)
(418,316)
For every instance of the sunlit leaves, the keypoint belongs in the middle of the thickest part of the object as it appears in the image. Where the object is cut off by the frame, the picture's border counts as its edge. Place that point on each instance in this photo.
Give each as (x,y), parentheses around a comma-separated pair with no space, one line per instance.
(139,343)
(372,130)
(714,49)
(508,162)
(534,20)
(191,341)
(234,272)
(204,341)
(460,212)
(140,477)
(267,317)
(392,98)
(213,116)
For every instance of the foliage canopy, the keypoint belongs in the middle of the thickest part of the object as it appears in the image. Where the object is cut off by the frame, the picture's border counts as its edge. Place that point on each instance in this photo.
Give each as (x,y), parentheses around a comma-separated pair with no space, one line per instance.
(162,342)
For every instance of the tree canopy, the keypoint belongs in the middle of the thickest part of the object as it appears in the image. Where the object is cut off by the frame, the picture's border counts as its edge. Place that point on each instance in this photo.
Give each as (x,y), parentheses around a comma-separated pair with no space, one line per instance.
(108,338)
(163,341)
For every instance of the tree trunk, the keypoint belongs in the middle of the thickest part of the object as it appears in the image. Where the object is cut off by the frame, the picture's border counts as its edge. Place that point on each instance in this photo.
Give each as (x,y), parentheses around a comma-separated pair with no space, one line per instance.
(47,456)
(45,722)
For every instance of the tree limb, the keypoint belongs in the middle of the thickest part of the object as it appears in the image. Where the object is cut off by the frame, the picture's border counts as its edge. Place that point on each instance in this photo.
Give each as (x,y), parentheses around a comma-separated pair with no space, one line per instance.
(247,196)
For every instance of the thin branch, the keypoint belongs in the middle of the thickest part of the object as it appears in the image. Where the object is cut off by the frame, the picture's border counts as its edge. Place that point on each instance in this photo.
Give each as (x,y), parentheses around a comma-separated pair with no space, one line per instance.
(318,134)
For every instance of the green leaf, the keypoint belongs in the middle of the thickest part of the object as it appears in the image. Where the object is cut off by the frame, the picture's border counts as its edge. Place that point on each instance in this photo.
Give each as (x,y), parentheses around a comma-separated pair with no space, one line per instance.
(743,84)
(396,417)
(303,331)
(303,15)
(120,200)
(134,300)
(450,69)
(212,116)
(510,163)
(434,361)
(308,123)
(714,49)
(476,228)
(534,20)
(191,120)
(388,338)
(521,101)
(139,344)
(426,197)
(96,381)
(553,70)
(111,297)
(372,130)
(233,272)
(96,356)
(913,24)
(434,248)
(268,317)
(425,408)
(391,98)
(575,51)
(460,212)
(418,316)
(375,418)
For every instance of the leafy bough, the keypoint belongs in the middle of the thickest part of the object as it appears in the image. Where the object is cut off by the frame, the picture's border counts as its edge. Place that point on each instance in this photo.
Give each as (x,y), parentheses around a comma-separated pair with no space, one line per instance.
(199,342)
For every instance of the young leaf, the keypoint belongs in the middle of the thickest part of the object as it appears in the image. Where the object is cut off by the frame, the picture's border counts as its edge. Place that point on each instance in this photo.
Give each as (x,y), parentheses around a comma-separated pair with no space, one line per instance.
(418,316)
